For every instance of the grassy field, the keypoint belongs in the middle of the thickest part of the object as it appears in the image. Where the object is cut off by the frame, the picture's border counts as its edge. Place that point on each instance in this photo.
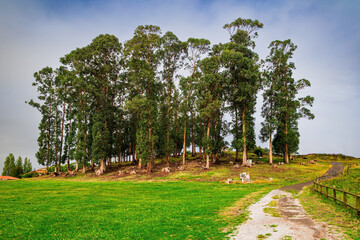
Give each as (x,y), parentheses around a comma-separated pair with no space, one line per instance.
(120,210)
(190,204)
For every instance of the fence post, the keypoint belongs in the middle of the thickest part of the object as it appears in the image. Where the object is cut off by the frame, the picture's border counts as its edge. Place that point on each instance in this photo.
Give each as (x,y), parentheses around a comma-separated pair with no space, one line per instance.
(334,193)
(327,191)
(357,200)
(344,199)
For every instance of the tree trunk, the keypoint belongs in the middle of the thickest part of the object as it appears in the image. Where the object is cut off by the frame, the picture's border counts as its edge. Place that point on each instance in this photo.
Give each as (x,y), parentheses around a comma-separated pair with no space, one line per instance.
(176,132)
(77,166)
(83,168)
(270,151)
(140,164)
(47,167)
(244,138)
(102,167)
(184,143)
(62,135)
(207,145)
(236,134)
(68,162)
(193,151)
(286,156)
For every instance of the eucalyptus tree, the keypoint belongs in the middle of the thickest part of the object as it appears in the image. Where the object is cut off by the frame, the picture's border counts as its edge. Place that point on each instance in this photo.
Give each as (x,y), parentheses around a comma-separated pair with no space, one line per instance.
(77,62)
(105,65)
(196,48)
(243,75)
(210,100)
(172,58)
(47,106)
(281,101)
(143,59)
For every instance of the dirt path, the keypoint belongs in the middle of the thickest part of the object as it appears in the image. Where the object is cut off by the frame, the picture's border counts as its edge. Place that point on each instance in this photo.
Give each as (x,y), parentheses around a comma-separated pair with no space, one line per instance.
(286,219)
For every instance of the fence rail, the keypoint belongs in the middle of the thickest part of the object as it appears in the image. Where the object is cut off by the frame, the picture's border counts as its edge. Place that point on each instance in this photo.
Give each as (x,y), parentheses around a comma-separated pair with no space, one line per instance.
(343,197)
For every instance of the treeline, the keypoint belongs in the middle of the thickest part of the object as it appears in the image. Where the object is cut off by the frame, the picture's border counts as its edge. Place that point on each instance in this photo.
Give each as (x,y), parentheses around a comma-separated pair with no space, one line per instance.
(155,96)
(16,168)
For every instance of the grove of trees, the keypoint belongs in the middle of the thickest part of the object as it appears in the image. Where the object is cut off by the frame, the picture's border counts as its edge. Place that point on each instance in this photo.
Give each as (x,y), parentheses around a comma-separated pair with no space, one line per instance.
(155,96)
(16,168)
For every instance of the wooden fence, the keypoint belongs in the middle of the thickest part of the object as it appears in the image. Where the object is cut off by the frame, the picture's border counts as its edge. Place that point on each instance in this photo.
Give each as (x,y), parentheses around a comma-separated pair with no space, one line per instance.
(346,198)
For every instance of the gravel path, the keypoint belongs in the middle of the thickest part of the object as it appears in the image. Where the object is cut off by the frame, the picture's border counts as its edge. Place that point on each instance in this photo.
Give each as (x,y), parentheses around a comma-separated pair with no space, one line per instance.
(292,221)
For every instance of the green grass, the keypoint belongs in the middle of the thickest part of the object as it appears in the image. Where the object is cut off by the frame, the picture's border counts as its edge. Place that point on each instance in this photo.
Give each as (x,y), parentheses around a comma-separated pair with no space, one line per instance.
(349,183)
(324,209)
(118,210)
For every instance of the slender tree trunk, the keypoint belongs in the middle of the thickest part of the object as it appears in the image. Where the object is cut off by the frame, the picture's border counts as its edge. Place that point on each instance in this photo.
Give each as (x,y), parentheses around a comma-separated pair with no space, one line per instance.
(77,166)
(149,165)
(286,156)
(176,132)
(62,135)
(184,143)
(193,151)
(83,168)
(244,138)
(168,126)
(236,134)
(207,145)
(120,140)
(102,166)
(270,151)
(68,157)
(204,131)
(140,164)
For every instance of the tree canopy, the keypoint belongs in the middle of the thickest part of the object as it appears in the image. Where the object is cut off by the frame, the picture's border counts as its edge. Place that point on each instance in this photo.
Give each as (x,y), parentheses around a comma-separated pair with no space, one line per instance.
(155,95)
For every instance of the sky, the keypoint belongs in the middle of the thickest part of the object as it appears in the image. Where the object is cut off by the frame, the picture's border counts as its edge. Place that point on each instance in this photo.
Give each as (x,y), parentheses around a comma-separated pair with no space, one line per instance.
(36,33)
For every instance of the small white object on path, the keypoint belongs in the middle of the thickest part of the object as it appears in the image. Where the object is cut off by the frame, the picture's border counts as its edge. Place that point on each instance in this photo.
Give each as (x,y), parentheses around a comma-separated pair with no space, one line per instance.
(294,222)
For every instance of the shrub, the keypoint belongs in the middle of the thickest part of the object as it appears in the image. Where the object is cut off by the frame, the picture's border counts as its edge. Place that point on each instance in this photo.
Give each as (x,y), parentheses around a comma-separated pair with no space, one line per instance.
(30,175)
(258,152)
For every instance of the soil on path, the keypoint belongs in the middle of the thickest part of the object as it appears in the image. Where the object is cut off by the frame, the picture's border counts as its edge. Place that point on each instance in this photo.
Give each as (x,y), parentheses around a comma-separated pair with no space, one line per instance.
(288,219)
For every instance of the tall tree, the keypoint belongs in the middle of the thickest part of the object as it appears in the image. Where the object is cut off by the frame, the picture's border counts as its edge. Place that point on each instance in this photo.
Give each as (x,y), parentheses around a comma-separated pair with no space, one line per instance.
(27,165)
(47,105)
(243,76)
(143,54)
(196,48)
(9,165)
(172,55)
(288,108)
(210,98)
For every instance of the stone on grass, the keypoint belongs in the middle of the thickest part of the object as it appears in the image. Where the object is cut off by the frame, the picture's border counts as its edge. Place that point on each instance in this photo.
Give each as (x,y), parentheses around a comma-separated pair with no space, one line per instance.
(181,168)
(228,181)
(236,166)
(274,165)
(165,170)
(132,172)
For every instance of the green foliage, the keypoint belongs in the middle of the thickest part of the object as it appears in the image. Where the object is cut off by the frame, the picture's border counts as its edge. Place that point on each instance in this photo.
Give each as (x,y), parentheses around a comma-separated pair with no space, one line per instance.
(154,96)
(9,166)
(16,168)
(258,152)
(282,108)
(30,175)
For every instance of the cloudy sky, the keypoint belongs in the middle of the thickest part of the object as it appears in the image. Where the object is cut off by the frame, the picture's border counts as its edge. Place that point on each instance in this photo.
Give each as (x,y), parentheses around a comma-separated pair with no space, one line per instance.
(36,33)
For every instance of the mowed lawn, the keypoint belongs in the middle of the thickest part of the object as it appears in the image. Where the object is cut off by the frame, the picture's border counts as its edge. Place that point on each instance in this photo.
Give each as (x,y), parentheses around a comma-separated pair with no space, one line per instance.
(52,209)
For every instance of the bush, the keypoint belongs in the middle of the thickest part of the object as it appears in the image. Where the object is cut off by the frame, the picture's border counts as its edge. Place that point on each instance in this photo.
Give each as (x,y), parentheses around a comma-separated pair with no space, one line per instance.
(258,152)
(30,175)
